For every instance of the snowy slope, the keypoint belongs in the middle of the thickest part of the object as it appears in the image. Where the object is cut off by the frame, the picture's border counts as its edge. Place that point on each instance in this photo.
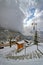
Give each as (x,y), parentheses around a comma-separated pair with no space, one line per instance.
(30,51)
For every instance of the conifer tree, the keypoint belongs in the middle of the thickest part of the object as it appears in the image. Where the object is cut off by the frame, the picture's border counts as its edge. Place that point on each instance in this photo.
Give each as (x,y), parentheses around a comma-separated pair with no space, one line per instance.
(36,38)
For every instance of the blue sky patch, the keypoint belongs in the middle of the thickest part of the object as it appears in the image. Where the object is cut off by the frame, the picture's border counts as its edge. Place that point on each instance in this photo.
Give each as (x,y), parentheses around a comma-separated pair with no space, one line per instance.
(32,10)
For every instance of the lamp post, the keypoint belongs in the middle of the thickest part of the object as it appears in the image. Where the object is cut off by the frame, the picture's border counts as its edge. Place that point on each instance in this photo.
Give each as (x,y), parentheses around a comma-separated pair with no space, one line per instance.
(25,49)
(35,34)
(10,41)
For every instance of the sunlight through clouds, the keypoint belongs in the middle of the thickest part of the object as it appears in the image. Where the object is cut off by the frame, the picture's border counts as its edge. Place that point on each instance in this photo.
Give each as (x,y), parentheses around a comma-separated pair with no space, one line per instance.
(21,12)
(34,15)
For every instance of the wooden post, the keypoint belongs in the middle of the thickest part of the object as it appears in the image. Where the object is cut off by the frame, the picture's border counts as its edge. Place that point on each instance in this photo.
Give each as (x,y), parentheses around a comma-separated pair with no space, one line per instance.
(25,48)
(10,41)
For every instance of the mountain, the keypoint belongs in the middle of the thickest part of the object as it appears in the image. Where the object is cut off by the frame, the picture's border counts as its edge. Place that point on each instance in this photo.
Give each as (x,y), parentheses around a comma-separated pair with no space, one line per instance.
(5,34)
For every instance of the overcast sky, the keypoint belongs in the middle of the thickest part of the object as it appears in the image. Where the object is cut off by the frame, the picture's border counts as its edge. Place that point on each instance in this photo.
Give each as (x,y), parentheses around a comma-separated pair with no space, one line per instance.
(11,16)
(19,14)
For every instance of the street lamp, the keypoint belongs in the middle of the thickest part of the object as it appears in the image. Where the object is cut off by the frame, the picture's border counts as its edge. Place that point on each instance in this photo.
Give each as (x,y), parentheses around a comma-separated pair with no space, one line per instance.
(35,34)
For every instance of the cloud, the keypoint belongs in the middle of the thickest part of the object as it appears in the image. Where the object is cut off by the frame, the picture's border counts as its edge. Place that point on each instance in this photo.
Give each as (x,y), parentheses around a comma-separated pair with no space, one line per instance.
(10,15)
(25,5)
(36,17)
(38,13)
(21,12)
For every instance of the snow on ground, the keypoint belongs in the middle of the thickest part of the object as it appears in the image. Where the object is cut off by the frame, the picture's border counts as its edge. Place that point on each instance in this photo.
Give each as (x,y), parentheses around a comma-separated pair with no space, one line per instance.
(4,61)
(7,61)
(28,50)
(7,50)
(41,47)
